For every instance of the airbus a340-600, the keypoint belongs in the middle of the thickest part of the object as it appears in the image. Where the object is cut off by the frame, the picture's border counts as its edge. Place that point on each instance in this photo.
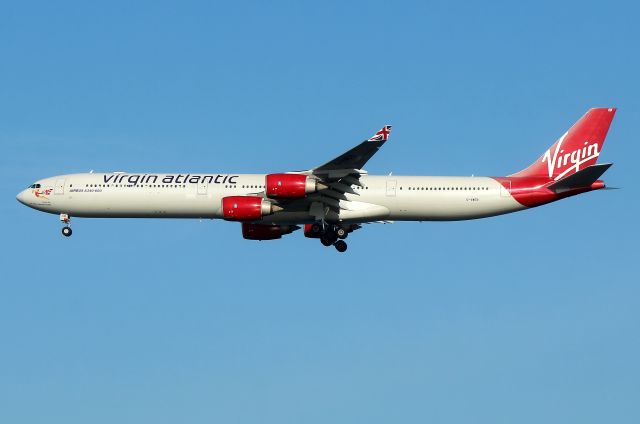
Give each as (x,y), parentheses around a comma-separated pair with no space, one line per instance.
(331,200)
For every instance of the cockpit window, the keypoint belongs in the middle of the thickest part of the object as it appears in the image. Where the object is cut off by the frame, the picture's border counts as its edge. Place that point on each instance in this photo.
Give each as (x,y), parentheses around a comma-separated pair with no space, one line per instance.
(34,186)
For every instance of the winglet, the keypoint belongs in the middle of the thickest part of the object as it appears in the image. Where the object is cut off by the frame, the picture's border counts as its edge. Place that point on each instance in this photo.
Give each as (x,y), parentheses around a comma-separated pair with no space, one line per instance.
(381,135)
(352,161)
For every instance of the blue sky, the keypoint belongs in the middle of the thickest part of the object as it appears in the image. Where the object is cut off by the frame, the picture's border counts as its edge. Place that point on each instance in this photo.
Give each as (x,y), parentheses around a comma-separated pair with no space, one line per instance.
(531,317)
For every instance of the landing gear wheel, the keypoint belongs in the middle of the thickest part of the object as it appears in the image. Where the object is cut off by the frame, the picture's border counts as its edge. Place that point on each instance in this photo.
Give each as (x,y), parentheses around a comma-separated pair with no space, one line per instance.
(341,233)
(326,241)
(341,246)
(316,229)
(330,237)
(66,219)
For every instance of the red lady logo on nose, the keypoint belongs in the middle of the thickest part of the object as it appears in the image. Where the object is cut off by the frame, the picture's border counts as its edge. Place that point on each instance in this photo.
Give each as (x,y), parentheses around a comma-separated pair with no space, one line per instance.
(42,193)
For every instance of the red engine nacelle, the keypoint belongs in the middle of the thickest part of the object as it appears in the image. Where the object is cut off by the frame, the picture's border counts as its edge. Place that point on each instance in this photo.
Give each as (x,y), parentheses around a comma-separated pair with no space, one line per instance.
(266,232)
(290,185)
(246,208)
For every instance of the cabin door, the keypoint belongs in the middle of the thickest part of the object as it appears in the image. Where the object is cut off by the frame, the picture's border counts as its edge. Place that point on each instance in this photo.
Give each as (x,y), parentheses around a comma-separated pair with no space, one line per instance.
(59,188)
(505,189)
(203,187)
(391,187)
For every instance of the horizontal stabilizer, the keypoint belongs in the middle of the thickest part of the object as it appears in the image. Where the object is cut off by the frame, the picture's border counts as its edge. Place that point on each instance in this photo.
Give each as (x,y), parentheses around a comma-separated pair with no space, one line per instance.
(581,179)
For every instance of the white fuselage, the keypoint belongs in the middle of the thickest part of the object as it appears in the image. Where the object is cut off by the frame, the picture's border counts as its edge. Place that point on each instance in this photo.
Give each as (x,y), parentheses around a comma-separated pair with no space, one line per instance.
(396,198)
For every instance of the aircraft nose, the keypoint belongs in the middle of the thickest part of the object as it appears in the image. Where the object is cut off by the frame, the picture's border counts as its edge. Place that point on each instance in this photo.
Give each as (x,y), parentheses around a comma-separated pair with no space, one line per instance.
(20,198)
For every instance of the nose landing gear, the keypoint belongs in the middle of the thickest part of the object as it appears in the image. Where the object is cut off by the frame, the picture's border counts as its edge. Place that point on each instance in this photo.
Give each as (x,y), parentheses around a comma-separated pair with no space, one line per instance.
(66,220)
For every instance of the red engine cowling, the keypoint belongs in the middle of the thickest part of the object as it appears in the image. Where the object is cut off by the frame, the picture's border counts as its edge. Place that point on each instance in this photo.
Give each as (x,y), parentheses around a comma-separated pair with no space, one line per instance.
(266,232)
(246,208)
(289,185)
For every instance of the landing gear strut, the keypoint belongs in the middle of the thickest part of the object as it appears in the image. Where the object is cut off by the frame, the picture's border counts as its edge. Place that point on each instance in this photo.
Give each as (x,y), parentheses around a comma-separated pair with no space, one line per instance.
(66,220)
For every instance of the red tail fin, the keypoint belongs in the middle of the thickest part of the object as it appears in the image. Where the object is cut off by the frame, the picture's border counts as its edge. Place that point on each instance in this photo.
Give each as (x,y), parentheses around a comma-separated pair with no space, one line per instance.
(576,149)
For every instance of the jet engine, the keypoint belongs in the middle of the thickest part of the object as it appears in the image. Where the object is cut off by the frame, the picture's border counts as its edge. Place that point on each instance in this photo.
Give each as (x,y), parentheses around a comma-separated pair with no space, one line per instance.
(291,185)
(266,232)
(246,208)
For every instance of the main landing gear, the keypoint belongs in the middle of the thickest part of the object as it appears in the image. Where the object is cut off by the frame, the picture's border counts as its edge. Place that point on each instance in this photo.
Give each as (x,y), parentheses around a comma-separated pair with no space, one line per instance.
(66,220)
(341,246)
(332,235)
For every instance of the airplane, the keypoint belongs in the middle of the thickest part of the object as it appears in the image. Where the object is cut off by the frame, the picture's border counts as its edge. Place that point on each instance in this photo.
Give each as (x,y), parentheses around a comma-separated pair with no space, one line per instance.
(332,200)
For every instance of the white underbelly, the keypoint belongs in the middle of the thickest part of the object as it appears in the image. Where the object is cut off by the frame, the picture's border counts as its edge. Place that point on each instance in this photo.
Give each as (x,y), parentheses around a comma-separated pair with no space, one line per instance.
(137,204)
(453,207)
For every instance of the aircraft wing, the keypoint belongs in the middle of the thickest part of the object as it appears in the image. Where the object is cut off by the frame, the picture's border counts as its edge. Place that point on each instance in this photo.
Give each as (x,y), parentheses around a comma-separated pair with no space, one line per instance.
(352,161)
(339,175)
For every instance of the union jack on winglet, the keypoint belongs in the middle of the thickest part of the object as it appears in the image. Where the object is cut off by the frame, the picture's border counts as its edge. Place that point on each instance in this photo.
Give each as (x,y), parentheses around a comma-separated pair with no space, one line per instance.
(382,135)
